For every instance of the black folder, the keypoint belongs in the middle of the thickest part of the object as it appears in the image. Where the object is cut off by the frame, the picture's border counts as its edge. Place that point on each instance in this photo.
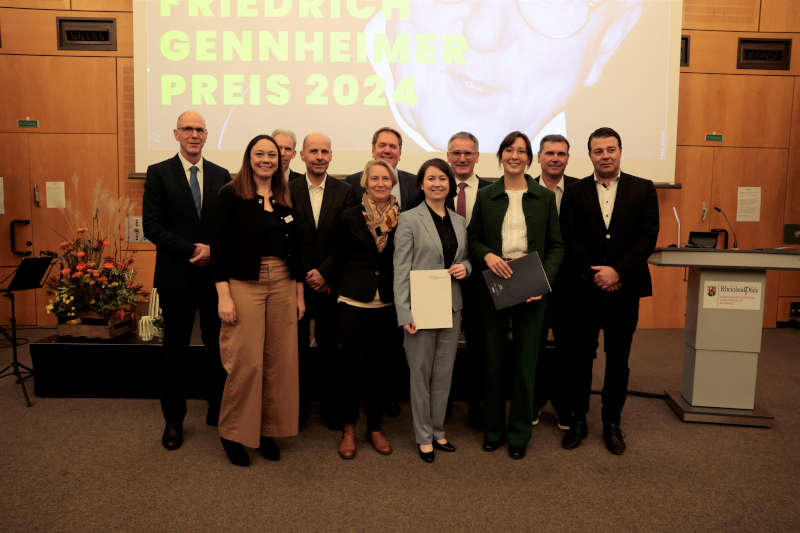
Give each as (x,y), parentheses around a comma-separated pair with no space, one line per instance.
(528,280)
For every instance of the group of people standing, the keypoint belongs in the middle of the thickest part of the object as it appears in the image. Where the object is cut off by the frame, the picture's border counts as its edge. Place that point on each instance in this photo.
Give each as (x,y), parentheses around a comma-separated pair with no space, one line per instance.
(265,254)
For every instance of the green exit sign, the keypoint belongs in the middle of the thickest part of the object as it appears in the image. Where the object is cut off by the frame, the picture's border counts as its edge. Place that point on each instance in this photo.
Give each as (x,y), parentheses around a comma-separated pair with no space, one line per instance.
(714,137)
(27,123)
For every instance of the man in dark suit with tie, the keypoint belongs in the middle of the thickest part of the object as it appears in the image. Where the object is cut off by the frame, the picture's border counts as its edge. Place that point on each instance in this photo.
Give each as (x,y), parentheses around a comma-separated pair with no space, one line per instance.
(318,202)
(387,145)
(462,154)
(178,214)
(609,222)
(287,143)
(553,157)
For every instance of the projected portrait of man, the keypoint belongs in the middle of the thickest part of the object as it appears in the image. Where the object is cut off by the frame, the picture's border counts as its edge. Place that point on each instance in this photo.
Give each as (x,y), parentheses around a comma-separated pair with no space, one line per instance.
(522,62)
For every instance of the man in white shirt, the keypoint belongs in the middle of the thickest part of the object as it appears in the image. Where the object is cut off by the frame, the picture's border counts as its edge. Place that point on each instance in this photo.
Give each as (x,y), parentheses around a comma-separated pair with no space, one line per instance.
(318,200)
(553,157)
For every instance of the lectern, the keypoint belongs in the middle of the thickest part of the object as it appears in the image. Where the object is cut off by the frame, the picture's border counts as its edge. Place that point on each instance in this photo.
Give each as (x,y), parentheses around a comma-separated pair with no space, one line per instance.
(722,335)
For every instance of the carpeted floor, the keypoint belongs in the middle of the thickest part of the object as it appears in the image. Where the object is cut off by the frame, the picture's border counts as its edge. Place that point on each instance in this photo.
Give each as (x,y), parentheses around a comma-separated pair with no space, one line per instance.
(85,465)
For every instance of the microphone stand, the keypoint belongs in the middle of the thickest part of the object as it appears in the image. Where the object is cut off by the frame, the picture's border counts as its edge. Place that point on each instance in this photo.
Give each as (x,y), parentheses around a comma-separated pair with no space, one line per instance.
(727,221)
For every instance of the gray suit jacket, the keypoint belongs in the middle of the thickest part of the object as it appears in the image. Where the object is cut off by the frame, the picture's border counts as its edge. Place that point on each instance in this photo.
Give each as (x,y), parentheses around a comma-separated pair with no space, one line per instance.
(417,247)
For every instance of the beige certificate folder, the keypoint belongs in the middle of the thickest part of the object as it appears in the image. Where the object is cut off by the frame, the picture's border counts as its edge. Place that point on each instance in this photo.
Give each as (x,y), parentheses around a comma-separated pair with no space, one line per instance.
(431,299)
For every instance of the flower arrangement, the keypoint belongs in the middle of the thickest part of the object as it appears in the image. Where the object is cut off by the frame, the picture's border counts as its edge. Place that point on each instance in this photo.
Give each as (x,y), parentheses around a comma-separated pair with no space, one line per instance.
(95,277)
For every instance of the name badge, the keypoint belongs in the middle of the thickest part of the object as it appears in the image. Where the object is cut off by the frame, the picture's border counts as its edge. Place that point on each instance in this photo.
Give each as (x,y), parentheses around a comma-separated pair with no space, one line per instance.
(288,219)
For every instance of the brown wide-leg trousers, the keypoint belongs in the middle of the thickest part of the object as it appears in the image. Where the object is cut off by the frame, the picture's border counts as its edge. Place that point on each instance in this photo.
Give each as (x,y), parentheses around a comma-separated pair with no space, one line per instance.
(259,352)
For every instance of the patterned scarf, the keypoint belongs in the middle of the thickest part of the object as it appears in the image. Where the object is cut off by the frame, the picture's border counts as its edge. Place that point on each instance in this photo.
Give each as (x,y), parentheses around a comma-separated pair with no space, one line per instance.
(380,219)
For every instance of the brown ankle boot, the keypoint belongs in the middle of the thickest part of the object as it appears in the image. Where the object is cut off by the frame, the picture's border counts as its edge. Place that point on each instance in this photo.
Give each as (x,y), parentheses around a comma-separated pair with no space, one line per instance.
(379,442)
(347,447)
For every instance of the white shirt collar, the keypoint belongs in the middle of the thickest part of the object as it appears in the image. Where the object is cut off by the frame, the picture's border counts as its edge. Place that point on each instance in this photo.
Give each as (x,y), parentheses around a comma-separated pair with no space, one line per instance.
(187,164)
(321,185)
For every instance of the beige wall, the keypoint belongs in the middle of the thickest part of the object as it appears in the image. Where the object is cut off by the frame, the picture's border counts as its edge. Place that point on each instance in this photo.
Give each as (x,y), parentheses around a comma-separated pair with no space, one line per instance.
(84,104)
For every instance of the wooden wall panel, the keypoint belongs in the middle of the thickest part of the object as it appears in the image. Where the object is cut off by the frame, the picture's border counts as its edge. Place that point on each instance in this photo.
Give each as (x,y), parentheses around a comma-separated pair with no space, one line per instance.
(665,309)
(747,110)
(721,14)
(792,203)
(145,263)
(30,31)
(693,170)
(14,162)
(780,15)
(65,94)
(790,283)
(36,4)
(102,5)
(125,121)
(784,307)
(92,158)
(750,167)
(715,52)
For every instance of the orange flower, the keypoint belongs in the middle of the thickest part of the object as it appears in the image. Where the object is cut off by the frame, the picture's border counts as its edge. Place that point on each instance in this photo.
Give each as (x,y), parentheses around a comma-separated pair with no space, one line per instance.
(65,244)
(82,230)
(66,271)
(80,266)
(108,265)
(80,254)
(102,278)
(106,243)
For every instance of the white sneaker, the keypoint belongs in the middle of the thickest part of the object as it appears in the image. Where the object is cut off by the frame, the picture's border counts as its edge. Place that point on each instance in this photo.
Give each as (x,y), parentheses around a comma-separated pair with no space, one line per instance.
(536,420)
(561,426)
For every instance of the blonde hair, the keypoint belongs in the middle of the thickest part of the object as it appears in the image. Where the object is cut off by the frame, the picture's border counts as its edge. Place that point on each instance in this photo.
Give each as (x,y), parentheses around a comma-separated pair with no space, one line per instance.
(372,163)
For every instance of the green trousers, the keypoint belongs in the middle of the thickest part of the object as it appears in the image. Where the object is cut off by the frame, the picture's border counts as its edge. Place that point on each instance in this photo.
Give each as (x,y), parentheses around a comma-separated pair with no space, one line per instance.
(519,362)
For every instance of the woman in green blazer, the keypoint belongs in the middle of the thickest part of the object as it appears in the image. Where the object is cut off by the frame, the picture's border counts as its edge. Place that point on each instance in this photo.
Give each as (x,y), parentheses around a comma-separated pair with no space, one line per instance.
(511,218)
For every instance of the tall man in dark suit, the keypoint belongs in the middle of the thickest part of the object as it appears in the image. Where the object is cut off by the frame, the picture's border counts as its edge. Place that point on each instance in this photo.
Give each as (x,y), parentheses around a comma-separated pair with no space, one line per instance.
(178,214)
(387,145)
(287,143)
(553,157)
(610,224)
(318,201)
(462,154)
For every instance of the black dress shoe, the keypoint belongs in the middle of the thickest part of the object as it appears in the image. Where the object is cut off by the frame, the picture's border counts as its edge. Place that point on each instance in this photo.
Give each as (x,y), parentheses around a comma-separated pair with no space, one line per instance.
(446,447)
(235,452)
(575,434)
(269,449)
(516,452)
(613,437)
(491,445)
(426,456)
(172,437)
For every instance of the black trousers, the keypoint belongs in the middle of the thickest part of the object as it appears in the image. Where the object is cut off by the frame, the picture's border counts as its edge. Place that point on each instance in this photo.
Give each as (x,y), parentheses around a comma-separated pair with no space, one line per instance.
(550,370)
(317,366)
(616,313)
(366,339)
(469,367)
(179,307)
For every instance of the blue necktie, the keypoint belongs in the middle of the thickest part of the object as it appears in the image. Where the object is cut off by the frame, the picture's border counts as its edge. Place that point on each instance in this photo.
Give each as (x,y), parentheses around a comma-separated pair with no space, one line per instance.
(195,185)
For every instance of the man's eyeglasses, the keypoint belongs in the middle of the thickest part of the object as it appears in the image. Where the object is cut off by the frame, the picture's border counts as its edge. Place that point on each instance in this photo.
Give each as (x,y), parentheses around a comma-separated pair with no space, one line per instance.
(458,153)
(557,19)
(188,130)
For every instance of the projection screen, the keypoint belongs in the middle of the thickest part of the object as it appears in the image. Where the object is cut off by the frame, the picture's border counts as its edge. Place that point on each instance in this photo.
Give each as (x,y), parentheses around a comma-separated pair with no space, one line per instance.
(428,68)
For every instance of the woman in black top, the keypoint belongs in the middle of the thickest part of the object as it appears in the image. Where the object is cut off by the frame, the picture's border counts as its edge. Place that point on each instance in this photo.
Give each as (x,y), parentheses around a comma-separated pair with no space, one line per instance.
(366,316)
(258,277)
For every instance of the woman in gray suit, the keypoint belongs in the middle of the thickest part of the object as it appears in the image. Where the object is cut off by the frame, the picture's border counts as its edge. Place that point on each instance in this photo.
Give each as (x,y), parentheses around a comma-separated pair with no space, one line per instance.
(430,237)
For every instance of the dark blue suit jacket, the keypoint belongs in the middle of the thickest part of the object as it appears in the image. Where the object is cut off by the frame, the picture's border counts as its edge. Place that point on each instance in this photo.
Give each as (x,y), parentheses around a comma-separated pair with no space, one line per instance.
(170,220)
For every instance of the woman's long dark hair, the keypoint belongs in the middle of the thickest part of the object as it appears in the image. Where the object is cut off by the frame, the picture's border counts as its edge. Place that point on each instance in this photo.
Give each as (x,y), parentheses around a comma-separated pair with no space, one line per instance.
(245,186)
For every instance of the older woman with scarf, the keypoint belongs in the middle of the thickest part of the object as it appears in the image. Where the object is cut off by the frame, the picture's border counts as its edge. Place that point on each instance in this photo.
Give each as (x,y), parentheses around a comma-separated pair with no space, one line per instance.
(366,315)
